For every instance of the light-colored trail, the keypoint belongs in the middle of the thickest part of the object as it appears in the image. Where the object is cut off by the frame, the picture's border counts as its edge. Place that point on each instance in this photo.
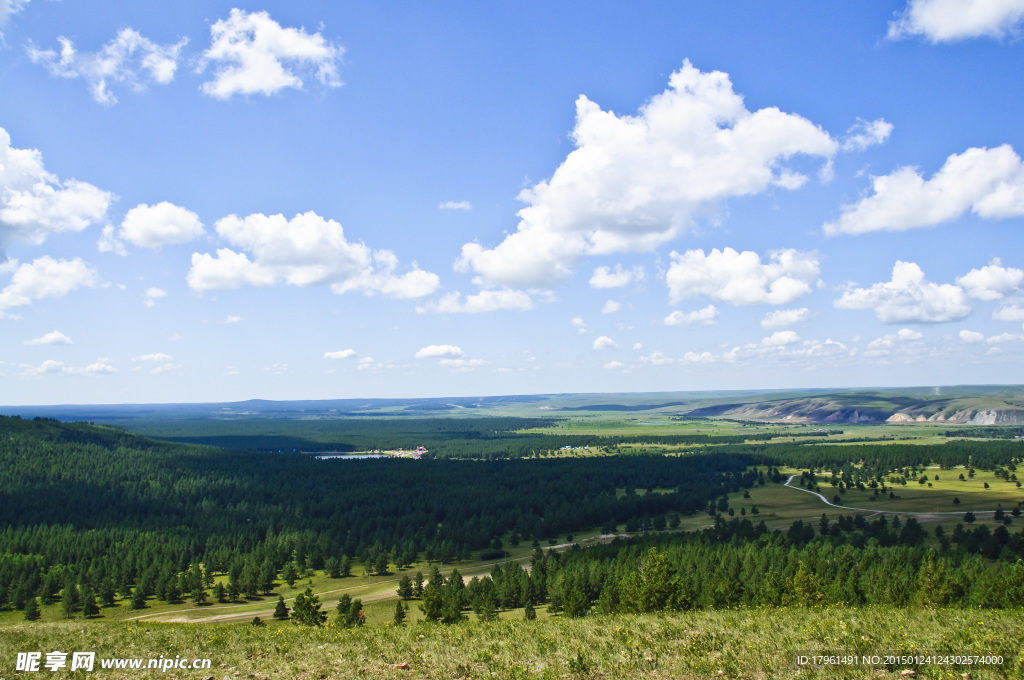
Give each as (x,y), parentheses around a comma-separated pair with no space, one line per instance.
(875,510)
(175,616)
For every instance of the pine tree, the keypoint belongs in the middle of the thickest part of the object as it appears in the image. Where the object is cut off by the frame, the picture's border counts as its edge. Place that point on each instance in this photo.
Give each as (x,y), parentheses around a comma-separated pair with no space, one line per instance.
(69,600)
(281,610)
(405,587)
(290,574)
(32,612)
(399,613)
(89,606)
(529,613)
(417,587)
(307,609)
(219,592)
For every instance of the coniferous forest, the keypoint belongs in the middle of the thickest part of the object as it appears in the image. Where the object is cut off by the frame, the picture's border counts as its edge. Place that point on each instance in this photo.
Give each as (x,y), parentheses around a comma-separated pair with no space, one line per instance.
(97,513)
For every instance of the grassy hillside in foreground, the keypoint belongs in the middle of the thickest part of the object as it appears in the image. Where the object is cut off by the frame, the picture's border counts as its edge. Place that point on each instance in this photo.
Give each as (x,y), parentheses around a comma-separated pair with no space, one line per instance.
(753,644)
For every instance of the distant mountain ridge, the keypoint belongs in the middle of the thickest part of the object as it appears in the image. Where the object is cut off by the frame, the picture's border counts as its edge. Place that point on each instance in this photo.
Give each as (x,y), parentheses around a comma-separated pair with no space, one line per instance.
(960,404)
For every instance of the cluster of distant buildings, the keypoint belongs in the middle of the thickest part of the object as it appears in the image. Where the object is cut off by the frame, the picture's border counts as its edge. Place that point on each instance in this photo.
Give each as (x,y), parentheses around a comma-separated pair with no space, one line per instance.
(418,453)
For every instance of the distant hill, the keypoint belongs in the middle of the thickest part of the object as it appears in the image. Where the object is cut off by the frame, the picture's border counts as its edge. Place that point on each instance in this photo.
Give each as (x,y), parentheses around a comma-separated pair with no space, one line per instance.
(960,404)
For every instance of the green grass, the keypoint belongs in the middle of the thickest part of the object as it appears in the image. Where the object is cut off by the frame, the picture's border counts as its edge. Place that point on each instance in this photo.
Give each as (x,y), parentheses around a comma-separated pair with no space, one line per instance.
(751,644)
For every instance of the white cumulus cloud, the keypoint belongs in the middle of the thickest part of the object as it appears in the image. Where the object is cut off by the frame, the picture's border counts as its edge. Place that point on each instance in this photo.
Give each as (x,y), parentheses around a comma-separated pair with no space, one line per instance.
(952,20)
(253,54)
(35,204)
(152,295)
(992,282)
(605,277)
(611,306)
(455,205)
(702,316)
(152,226)
(613,365)
(462,365)
(909,297)
(304,251)
(865,134)
(1013,312)
(484,301)
(102,366)
(51,338)
(439,351)
(988,182)
(604,342)
(971,336)
(340,354)
(635,182)
(155,357)
(700,358)
(129,59)
(780,339)
(45,277)
(740,278)
(781,318)
(231,318)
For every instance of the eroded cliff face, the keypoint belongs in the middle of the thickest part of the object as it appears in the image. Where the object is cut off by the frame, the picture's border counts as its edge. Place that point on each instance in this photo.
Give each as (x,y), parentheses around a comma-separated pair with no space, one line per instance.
(964,417)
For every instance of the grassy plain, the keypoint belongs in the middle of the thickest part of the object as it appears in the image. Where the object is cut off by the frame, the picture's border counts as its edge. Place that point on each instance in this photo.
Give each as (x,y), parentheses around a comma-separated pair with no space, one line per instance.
(750,644)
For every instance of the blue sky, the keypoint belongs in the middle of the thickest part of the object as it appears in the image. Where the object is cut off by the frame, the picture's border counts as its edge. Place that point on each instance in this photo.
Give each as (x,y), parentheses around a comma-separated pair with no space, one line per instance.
(218,201)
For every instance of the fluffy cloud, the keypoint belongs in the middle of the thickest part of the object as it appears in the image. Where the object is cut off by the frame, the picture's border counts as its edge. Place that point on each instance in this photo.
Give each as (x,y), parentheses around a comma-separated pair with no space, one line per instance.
(51,338)
(439,351)
(157,357)
(613,365)
(909,297)
(152,226)
(611,306)
(885,345)
(152,295)
(462,365)
(635,182)
(780,339)
(702,316)
(340,354)
(306,250)
(1004,337)
(782,318)
(741,278)
(782,347)
(866,134)
(231,318)
(101,366)
(109,243)
(43,278)
(604,277)
(657,359)
(129,59)
(1009,313)
(253,54)
(699,358)
(988,182)
(604,342)
(484,301)
(992,282)
(455,205)
(952,20)
(971,336)
(34,204)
